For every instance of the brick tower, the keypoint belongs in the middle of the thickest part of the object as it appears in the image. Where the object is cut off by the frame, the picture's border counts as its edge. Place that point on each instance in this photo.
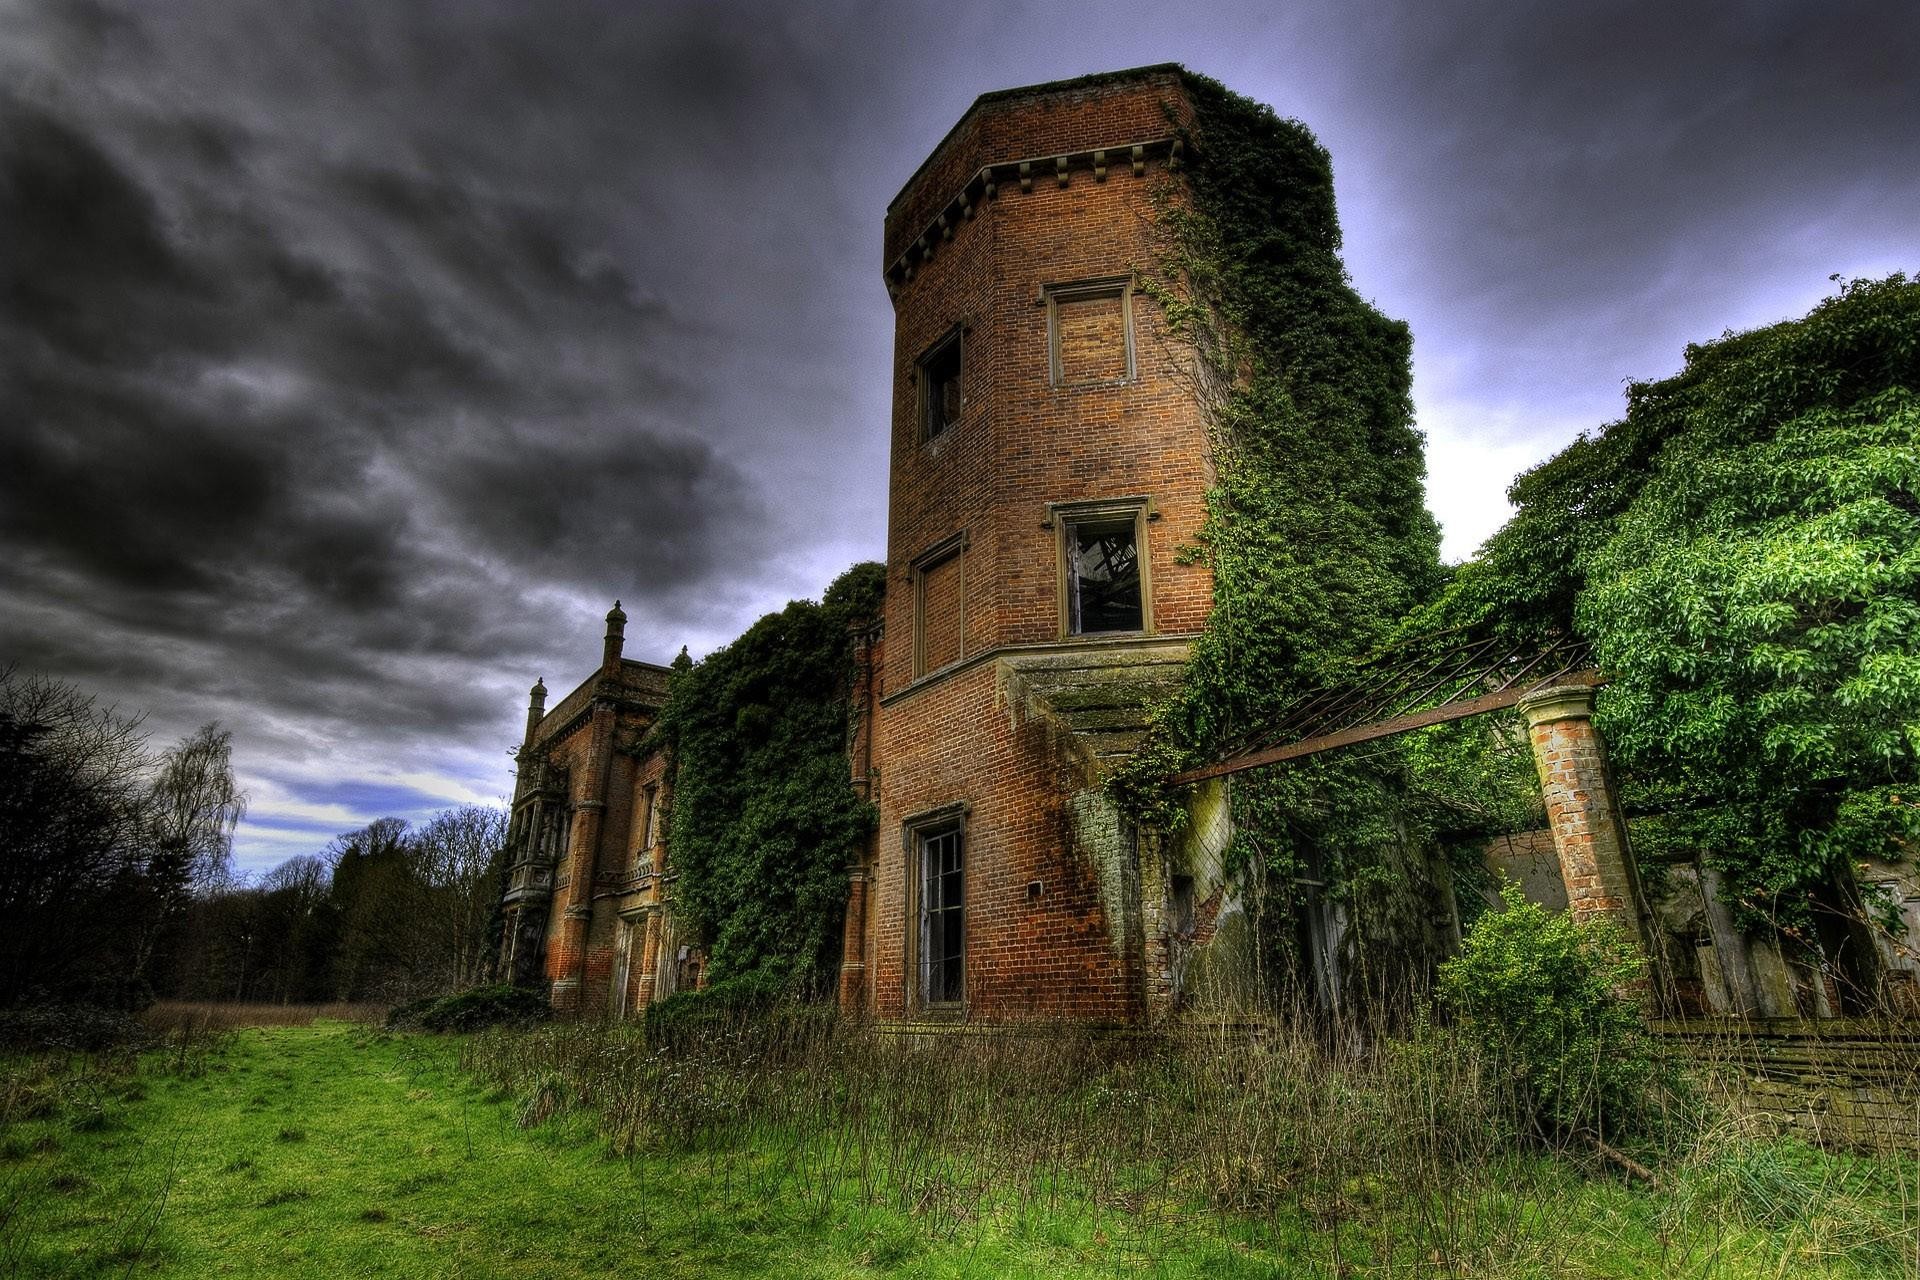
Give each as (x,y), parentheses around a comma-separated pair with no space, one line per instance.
(1049,463)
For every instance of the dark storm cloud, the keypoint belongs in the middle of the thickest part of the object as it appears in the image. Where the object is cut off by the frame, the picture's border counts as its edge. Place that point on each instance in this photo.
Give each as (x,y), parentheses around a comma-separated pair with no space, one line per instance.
(1575,182)
(352,356)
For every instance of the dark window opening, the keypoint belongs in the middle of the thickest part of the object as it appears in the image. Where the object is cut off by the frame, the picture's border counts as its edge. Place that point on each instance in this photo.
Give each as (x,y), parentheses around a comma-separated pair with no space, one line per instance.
(940,388)
(942,916)
(1181,911)
(1103,588)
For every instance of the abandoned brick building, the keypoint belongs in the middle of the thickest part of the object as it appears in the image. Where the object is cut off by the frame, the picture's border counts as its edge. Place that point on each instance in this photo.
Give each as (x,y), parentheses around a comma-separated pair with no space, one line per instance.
(1050,462)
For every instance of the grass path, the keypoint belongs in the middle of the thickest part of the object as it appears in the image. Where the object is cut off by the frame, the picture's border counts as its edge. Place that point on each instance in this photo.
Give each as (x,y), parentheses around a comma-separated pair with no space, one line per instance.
(330,1151)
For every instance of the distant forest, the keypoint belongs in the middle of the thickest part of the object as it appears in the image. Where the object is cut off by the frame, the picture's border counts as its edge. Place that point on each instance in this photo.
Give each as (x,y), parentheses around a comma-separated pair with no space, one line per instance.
(117,883)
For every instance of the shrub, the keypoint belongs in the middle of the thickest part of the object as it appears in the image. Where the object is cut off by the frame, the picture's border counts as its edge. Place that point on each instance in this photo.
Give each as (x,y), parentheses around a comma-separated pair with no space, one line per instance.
(80,1028)
(1548,999)
(500,1004)
(755,1011)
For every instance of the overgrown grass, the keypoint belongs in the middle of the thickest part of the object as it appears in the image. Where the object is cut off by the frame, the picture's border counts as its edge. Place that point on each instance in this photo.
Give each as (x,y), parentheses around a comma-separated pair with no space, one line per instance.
(1295,1152)
(795,1149)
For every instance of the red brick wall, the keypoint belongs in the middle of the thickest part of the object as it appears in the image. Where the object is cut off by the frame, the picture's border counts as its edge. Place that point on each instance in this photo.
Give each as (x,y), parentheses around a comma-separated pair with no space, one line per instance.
(1001,129)
(940,593)
(1049,956)
(1021,442)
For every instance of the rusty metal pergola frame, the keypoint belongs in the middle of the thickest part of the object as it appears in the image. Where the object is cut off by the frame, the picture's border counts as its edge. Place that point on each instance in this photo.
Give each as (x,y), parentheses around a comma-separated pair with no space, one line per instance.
(1431,679)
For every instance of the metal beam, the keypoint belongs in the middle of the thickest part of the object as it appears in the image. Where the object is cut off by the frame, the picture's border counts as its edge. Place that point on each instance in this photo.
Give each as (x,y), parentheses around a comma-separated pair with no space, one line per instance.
(1442,714)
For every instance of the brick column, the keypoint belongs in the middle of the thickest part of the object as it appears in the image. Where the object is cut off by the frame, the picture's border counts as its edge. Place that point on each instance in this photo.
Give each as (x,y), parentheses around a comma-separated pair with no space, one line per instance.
(853,946)
(583,862)
(1588,834)
(649,962)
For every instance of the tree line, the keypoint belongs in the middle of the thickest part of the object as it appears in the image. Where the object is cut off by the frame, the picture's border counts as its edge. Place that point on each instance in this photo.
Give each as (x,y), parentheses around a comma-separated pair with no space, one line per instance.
(117,882)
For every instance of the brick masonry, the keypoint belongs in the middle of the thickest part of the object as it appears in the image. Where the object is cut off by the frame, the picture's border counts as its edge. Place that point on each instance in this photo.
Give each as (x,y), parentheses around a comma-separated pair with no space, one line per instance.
(1050,873)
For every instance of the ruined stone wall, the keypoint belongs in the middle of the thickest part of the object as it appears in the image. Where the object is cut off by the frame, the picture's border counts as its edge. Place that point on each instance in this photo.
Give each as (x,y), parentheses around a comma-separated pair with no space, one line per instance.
(1842,1082)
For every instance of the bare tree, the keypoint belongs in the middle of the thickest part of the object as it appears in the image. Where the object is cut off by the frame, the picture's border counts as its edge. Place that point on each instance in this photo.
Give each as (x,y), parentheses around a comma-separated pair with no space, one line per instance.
(457,856)
(72,840)
(194,806)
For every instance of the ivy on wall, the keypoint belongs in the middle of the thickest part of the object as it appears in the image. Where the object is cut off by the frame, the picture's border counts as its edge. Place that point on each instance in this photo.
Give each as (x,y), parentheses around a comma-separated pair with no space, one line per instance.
(765,821)
(1317,532)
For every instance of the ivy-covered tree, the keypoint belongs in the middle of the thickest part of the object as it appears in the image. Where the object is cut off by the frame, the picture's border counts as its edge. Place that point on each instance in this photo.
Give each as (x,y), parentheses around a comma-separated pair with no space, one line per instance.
(765,820)
(1743,549)
(1758,602)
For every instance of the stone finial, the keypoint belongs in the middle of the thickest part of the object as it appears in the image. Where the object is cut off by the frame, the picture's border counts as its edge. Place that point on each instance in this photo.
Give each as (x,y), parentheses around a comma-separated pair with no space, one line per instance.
(616,636)
(536,705)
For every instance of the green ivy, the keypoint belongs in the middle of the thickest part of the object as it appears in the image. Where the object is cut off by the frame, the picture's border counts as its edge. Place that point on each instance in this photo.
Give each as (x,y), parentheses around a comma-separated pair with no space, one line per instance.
(1743,549)
(1316,531)
(765,821)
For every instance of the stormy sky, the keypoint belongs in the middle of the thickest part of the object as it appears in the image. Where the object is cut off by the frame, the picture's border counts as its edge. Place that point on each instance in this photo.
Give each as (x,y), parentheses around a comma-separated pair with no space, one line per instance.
(354,357)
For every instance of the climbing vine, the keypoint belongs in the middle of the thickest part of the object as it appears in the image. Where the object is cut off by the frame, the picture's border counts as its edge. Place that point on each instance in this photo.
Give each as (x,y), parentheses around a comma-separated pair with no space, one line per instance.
(765,821)
(1316,531)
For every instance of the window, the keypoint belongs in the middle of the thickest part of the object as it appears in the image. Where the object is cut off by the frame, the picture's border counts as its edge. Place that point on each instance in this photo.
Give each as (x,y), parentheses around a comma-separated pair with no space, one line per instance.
(937,877)
(940,400)
(940,605)
(1104,583)
(1090,332)
(943,894)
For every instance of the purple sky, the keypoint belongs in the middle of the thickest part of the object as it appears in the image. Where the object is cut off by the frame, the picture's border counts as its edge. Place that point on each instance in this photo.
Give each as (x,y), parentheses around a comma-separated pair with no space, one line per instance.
(353,357)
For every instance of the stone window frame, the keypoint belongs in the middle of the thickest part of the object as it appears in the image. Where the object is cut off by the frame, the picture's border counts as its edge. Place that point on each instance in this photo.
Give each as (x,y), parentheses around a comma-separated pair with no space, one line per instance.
(914,829)
(951,340)
(1121,287)
(650,821)
(1062,517)
(953,547)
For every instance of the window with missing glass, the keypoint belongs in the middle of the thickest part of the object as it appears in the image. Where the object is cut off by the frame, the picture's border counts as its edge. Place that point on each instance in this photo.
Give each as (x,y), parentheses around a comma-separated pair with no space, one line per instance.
(1104,584)
(936,849)
(943,901)
(939,378)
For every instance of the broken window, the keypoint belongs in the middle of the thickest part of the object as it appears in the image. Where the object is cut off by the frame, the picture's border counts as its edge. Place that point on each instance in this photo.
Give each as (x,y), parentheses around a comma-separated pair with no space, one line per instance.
(1090,332)
(1103,588)
(940,386)
(942,916)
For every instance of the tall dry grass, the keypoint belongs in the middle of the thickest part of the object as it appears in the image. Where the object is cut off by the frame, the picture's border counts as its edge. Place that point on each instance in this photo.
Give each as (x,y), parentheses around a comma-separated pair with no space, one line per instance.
(1397,1153)
(213,1015)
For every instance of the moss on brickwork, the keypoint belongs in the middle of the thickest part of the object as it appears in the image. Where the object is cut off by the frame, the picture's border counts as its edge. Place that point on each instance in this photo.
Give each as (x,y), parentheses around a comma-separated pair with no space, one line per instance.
(765,820)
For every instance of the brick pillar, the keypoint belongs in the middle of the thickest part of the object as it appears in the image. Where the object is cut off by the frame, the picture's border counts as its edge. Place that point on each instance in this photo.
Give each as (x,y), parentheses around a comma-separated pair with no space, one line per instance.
(865,697)
(853,947)
(1588,833)
(583,863)
(649,961)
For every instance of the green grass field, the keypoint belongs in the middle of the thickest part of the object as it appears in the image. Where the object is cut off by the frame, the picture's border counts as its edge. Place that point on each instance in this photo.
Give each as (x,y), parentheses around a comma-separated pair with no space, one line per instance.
(334,1151)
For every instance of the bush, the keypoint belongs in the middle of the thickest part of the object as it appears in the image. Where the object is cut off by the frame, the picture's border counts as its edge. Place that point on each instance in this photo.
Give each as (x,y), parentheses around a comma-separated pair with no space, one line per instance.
(497,1005)
(754,1012)
(1549,1001)
(81,1028)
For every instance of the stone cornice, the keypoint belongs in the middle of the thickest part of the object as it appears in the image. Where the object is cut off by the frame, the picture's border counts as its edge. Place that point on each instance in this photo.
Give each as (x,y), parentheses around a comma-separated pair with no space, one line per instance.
(987,183)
